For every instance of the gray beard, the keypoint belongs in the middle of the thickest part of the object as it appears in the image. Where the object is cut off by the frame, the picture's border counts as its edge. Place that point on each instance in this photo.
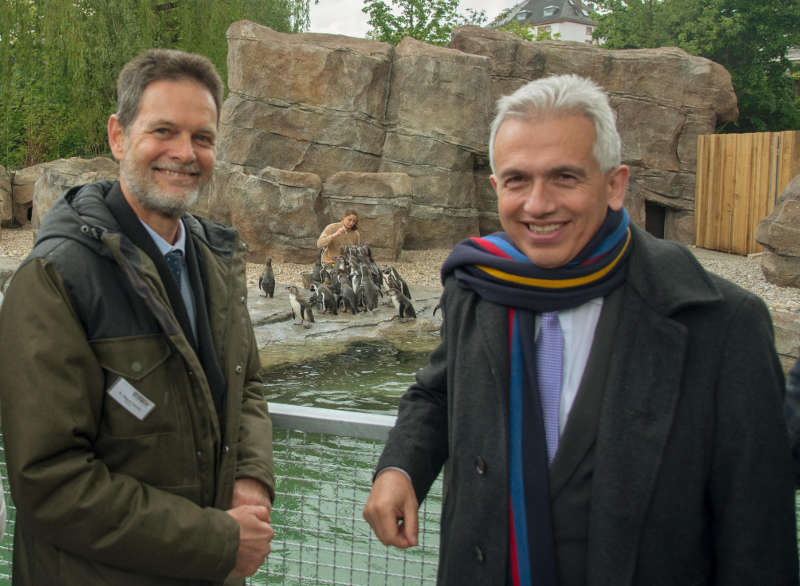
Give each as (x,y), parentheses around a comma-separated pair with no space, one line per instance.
(154,200)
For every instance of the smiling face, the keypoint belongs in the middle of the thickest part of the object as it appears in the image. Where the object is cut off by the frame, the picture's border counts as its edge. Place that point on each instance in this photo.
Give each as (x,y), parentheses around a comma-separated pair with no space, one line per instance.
(551,194)
(167,153)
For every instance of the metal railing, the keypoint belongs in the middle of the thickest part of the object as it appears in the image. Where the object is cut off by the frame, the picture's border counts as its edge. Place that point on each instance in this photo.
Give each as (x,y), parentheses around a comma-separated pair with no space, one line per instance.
(324,460)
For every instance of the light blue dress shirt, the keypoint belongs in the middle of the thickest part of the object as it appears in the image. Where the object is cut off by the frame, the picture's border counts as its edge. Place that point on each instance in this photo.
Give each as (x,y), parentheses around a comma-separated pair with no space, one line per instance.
(185,286)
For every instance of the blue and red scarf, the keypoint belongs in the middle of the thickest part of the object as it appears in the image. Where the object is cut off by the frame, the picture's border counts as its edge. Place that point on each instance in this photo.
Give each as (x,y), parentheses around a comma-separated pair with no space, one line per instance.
(495,269)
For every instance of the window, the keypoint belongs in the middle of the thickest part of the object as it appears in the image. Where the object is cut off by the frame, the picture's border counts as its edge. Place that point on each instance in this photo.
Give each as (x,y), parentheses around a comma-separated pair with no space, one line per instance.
(550,11)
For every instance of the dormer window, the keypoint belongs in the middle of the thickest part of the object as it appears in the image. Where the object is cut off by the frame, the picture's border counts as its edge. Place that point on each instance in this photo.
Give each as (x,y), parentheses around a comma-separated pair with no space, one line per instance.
(550,11)
(522,15)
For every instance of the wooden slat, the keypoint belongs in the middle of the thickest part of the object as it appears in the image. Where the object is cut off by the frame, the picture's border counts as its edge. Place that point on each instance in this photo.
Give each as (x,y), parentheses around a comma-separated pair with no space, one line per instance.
(759,188)
(738,180)
(701,191)
(740,206)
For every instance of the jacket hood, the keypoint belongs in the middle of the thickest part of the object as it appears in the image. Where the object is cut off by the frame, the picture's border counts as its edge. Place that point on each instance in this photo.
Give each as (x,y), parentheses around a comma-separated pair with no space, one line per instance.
(82,214)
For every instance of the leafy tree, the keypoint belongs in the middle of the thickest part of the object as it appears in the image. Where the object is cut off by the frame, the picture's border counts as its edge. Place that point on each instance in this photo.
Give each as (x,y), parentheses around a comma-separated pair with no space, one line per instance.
(749,37)
(431,21)
(59,60)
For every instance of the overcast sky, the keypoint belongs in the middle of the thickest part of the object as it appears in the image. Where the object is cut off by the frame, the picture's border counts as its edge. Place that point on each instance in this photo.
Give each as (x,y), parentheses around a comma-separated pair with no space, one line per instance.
(344,17)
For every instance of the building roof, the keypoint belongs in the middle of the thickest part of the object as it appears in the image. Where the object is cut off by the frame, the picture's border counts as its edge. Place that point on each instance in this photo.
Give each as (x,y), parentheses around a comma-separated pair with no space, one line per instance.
(538,12)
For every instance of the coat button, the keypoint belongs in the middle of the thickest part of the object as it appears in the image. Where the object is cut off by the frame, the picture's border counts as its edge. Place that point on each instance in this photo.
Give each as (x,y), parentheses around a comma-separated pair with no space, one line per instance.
(479,557)
(480,465)
(243,299)
(238,369)
(136,366)
(226,449)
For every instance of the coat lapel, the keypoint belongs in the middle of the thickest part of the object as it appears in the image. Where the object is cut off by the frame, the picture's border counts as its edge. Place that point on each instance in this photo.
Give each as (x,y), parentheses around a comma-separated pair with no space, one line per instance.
(580,431)
(640,400)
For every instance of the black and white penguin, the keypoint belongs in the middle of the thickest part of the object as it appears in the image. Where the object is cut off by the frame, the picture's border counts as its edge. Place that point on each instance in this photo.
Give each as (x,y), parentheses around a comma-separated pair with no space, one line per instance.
(402,304)
(266,282)
(316,269)
(301,308)
(348,296)
(370,293)
(393,280)
(325,297)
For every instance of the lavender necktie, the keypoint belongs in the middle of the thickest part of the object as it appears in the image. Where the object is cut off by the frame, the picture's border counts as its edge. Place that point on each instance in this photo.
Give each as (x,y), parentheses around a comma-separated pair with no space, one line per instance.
(549,351)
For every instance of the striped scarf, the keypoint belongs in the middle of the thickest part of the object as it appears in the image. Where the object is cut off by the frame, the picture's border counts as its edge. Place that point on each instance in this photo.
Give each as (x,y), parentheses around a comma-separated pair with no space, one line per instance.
(497,271)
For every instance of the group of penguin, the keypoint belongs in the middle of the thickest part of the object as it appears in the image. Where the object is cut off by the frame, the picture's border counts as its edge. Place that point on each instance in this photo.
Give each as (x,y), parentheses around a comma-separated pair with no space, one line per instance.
(353,284)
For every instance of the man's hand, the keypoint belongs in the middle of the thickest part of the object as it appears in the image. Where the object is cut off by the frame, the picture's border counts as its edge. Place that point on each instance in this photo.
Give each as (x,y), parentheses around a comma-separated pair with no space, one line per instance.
(255,534)
(391,509)
(249,491)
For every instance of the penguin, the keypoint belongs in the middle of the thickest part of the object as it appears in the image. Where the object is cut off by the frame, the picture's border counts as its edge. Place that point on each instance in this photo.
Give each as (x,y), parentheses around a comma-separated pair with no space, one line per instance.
(355,283)
(402,304)
(325,298)
(316,269)
(370,293)
(266,282)
(301,308)
(348,297)
(392,279)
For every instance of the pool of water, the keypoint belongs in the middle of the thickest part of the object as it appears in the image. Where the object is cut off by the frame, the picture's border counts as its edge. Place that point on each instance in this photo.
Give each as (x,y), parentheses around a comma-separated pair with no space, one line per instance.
(367,377)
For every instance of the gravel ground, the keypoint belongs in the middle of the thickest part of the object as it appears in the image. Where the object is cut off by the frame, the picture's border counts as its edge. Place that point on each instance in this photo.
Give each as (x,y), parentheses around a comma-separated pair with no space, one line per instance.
(420,268)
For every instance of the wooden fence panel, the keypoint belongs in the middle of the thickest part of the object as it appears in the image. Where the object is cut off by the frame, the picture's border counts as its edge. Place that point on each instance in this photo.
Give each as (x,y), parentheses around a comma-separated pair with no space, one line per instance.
(739,179)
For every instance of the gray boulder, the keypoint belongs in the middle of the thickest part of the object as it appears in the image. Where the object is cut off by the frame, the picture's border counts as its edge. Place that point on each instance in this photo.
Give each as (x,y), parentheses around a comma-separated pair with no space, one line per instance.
(274,211)
(58,176)
(779,232)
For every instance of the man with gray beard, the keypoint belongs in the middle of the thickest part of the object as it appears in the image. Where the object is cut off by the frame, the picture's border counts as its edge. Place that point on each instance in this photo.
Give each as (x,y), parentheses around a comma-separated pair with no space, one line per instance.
(138,442)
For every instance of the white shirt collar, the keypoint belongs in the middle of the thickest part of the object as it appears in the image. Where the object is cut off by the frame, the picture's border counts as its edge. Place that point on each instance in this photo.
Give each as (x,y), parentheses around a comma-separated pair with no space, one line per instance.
(163,246)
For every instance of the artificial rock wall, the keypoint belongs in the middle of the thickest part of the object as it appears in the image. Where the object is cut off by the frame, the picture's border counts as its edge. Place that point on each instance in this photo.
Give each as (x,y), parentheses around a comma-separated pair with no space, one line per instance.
(400,133)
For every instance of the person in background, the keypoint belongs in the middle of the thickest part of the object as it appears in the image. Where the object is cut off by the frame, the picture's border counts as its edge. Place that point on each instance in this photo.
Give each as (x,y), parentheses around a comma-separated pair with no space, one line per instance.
(137,438)
(607,411)
(337,235)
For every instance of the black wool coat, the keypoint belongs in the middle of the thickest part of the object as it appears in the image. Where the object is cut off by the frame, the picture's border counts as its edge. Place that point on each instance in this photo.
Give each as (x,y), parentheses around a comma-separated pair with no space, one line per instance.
(692,481)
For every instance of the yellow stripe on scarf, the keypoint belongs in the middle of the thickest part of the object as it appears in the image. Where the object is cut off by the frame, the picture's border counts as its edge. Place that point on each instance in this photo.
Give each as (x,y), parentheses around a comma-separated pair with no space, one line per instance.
(557,283)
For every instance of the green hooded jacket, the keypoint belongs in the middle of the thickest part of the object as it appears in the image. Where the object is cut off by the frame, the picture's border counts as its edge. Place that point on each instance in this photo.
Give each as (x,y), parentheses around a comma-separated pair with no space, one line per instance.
(102,496)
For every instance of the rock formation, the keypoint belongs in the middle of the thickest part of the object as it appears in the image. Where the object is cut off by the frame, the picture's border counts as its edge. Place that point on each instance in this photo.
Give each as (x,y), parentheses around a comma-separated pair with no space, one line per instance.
(664,98)
(316,123)
(780,234)
(325,104)
(58,176)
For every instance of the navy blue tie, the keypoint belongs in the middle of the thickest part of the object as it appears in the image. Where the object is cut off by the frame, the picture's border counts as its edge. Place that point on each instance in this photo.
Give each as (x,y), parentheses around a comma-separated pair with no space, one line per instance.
(174,260)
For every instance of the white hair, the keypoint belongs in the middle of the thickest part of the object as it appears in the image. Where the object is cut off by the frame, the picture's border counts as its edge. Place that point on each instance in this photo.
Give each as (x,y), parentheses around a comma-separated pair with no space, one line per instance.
(558,96)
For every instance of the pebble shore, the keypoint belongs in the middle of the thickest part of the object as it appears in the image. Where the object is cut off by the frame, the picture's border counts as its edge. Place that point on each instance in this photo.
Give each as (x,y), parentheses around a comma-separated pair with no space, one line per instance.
(421,268)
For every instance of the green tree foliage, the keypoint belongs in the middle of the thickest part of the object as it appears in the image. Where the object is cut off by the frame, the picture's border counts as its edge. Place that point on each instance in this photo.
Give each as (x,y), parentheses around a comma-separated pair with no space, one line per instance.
(431,21)
(749,37)
(59,60)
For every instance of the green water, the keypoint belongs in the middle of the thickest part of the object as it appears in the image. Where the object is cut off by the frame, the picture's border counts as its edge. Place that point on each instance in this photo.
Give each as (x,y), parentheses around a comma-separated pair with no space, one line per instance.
(368,377)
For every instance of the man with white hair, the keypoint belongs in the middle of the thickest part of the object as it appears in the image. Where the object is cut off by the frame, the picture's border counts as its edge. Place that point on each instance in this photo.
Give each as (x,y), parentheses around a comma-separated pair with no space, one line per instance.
(607,412)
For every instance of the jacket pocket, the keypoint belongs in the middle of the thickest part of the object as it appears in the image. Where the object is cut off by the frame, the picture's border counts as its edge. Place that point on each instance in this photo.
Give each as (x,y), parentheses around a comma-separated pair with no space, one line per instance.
(159,449)
(144,362)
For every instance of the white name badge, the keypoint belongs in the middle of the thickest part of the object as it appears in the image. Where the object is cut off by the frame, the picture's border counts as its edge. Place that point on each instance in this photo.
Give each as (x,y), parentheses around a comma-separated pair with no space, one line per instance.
(131,400)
